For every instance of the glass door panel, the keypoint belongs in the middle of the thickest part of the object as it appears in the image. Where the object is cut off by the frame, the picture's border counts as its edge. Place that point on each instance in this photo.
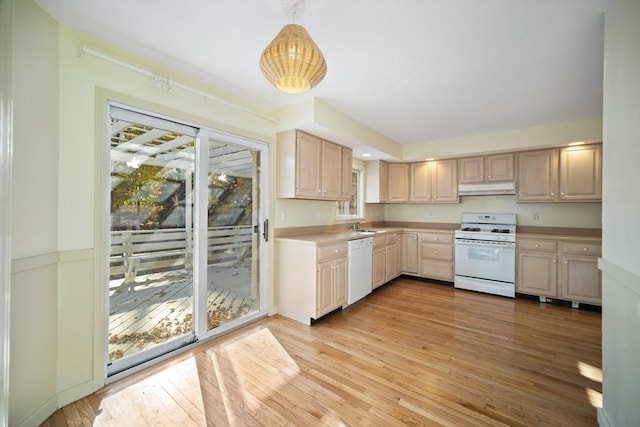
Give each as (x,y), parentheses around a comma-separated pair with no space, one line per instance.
(151,267)
(233,290)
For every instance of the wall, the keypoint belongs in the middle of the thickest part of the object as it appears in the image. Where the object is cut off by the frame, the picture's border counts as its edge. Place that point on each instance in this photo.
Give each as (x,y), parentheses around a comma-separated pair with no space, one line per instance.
(33,336)
(578,215)
(588,130)
(59,197)
(621,208)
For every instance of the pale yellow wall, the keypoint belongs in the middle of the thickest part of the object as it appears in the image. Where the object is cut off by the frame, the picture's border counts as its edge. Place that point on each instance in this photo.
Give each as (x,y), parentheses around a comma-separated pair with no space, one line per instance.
(588,130)
(577,215)
(34,206)
(57,305)
(621,208)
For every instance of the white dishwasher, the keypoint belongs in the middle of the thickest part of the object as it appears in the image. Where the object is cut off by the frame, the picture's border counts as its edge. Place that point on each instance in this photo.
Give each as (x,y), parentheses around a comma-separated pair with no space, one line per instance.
(360,277)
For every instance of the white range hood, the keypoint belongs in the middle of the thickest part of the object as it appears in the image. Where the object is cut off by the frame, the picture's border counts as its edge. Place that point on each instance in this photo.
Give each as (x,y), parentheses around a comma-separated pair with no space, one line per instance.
(487,189)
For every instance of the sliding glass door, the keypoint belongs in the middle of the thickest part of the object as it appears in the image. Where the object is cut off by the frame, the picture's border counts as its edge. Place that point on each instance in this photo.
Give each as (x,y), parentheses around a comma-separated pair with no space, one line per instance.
(185,249)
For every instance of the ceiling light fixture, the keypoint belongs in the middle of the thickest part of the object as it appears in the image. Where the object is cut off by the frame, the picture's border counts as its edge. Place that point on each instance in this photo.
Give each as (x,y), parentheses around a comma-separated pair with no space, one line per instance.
(366,154)
(576,143)
(292,62)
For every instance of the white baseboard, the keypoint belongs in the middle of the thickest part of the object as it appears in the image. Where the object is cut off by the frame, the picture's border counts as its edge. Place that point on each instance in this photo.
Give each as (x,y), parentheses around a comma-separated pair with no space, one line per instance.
(38,416)
(603,419)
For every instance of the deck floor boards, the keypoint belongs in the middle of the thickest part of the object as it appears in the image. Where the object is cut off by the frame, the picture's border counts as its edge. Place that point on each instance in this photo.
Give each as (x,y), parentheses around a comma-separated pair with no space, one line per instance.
(159,306)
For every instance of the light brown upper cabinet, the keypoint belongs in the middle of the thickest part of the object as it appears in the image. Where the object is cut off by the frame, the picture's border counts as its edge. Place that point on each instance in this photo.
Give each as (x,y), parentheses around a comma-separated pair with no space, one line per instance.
(491,168)
(434,181)
(347,167)
(581,173)
(398,183)
(309,167)
(565,174)
(376,177)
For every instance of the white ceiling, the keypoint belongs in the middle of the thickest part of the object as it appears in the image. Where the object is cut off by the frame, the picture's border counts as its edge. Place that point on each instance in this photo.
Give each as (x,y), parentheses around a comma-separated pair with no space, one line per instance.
(414,70)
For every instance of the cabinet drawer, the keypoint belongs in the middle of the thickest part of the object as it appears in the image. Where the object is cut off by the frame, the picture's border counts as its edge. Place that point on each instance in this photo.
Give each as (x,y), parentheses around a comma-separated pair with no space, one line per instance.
(437,270)
(582,248)
(332,251)
(437,237)
(436,251)
(538,245)
(379,241)
(392,238)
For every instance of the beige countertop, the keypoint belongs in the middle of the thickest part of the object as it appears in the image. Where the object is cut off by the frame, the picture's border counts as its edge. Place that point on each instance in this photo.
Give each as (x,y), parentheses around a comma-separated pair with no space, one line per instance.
(339,236)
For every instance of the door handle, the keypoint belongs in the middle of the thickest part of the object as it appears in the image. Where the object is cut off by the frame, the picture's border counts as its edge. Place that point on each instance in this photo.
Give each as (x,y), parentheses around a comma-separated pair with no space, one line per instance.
(265,231)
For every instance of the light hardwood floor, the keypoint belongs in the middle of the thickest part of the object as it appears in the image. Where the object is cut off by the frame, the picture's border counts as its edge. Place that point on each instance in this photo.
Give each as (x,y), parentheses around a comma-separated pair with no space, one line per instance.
(412,353)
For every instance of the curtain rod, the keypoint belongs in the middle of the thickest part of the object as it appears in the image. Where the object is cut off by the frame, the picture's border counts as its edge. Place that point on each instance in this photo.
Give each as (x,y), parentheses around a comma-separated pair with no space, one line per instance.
(165,83)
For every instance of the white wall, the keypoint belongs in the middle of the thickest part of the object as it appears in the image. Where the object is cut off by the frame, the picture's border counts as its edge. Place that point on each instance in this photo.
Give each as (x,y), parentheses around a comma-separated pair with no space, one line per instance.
(621,209)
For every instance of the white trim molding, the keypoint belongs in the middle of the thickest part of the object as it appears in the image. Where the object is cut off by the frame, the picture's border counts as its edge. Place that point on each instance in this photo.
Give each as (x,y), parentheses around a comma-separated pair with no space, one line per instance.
(6,155)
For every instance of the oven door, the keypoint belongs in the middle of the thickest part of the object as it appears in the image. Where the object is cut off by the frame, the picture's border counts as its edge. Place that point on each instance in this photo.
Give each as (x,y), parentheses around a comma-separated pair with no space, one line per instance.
(486,260)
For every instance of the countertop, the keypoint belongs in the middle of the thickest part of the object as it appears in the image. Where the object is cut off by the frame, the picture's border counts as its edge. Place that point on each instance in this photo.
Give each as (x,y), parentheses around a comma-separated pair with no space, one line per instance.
(332,237)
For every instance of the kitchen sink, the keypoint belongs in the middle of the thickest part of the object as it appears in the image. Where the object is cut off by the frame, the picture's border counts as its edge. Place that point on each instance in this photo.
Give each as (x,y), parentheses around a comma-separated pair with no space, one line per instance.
(369,231)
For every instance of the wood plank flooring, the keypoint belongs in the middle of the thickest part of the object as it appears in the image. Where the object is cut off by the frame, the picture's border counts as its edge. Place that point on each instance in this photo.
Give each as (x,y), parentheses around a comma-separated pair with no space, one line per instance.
(411,353)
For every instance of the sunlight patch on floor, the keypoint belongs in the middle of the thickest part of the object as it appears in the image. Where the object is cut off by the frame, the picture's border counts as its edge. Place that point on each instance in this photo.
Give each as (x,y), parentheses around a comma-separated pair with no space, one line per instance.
(589,371)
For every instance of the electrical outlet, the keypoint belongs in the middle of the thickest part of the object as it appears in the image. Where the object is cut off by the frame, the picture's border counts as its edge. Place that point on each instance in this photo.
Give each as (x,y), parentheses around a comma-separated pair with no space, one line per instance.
(319,215)
(535,216)
(429,214)
(283,217)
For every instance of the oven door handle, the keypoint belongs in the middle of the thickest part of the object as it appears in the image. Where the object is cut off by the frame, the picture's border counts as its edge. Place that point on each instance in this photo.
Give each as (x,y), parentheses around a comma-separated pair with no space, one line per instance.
(485,243)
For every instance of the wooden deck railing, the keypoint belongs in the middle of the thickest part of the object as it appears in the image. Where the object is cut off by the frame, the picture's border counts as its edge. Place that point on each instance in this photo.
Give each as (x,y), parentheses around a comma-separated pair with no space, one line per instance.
(140,251)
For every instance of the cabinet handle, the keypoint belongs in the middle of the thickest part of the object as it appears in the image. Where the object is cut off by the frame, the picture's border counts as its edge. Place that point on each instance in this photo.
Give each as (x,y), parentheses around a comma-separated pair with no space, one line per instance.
(585,249)
(536,245)
(566,262)
(435,252)
(553,194)
(562,194)
(335,251)
(554,261)
(435,238)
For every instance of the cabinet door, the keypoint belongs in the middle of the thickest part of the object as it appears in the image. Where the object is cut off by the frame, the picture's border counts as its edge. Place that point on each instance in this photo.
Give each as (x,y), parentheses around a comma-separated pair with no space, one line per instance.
(379,263)
(324,294)
(499,167)
(420,182)
(384,181)
(340,283)
(308,155)
(398,182)
(331,170)
(471,170)
(391,262)
(581,173)
(346,177)
(537,274)
(581,279)
(444,175)
(409,253)
(537,176)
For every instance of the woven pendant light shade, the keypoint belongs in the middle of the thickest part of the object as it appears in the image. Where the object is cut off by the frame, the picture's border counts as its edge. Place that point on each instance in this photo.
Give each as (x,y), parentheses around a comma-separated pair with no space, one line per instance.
(292,62)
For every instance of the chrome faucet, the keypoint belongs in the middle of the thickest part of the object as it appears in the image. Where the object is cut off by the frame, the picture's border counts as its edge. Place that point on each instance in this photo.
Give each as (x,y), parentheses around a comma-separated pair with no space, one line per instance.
(356,225)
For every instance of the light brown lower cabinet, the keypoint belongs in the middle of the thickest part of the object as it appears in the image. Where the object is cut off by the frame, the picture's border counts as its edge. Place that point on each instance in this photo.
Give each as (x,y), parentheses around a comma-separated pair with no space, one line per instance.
(435,255)
(552,268)
(311,278)
(386,264)
(408,253)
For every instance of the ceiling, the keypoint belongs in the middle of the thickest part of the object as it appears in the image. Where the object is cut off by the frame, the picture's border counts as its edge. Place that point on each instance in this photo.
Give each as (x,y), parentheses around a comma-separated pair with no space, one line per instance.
(416,71)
